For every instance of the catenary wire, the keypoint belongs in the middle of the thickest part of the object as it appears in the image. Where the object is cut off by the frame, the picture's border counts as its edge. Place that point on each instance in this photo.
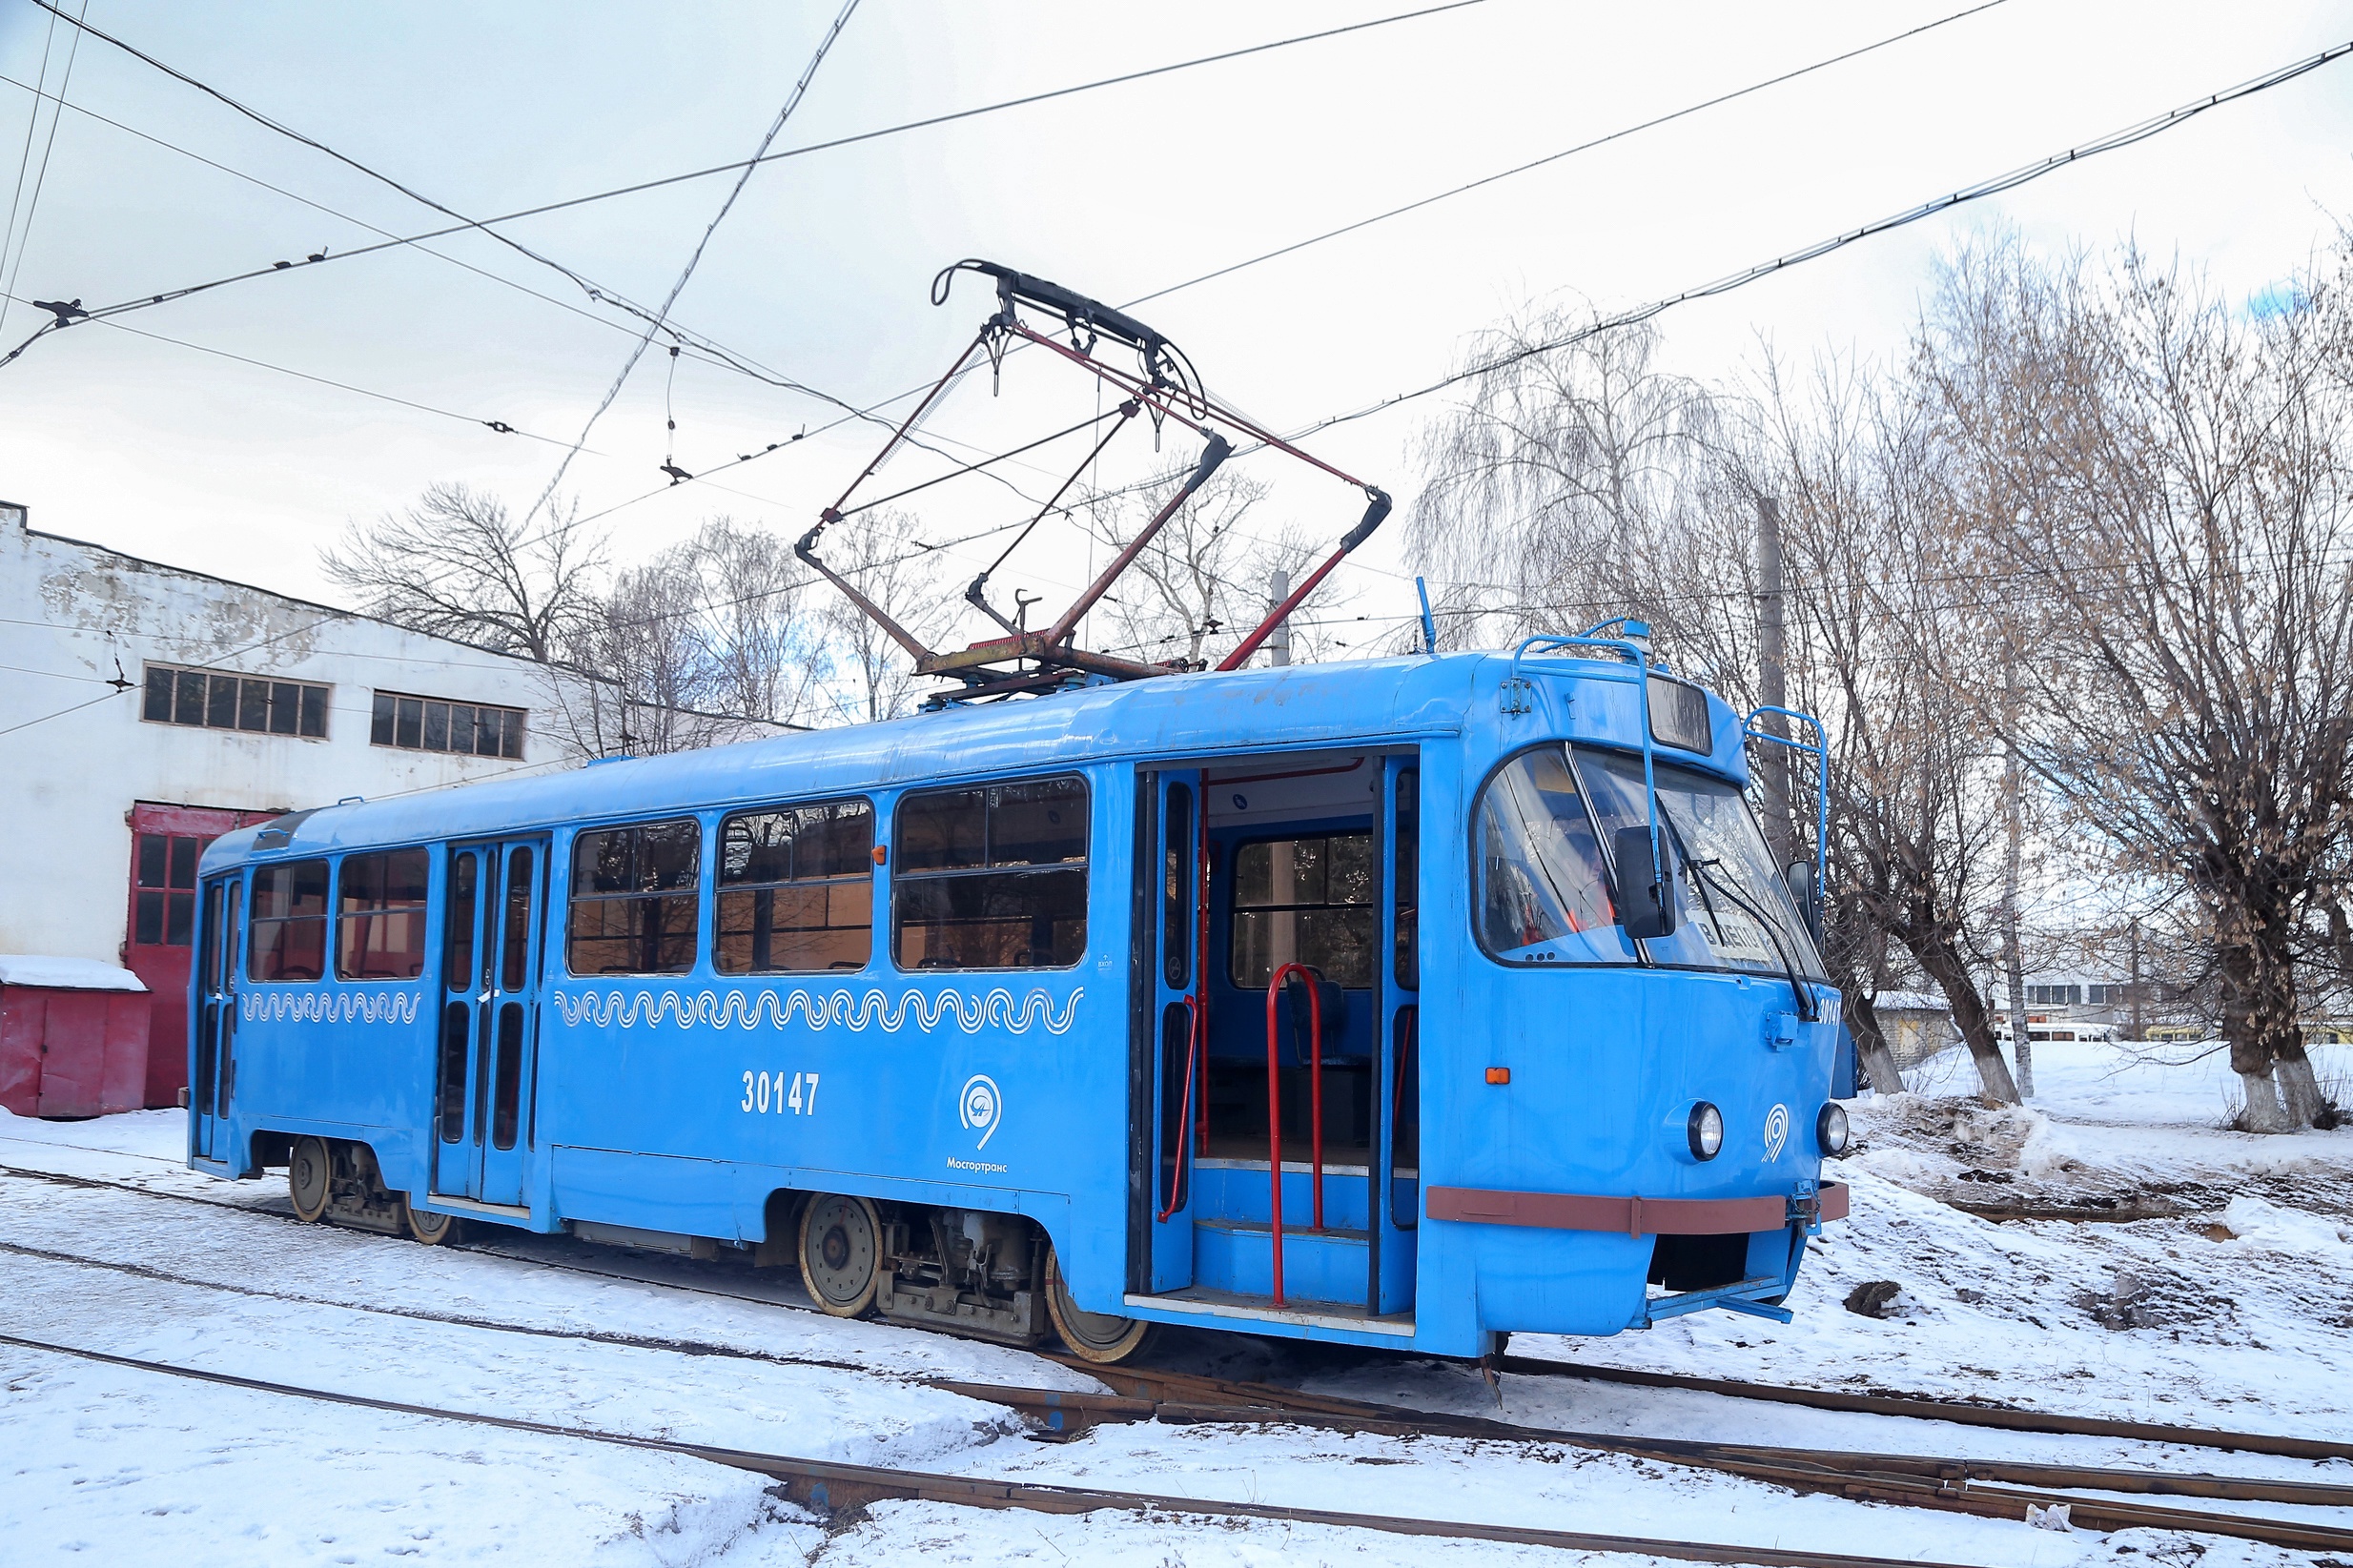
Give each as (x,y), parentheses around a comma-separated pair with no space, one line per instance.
(41,177)
(499,425)
(660,316)
(487,225)
(2127,136)
(1615,136)
(869,412)
(1550,158)
(692,350)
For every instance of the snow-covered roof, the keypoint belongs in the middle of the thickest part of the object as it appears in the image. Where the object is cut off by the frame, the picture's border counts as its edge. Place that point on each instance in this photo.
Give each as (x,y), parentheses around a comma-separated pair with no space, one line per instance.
(66,974)
(1909,1002)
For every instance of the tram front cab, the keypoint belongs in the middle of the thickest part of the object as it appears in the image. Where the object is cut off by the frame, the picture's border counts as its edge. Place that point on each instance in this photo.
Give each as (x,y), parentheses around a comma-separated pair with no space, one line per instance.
(1644,1137)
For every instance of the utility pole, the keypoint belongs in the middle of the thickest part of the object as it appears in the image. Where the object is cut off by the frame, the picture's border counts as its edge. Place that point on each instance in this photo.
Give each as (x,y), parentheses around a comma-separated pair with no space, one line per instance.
(1772,675)
(1278,641)
(2012,958)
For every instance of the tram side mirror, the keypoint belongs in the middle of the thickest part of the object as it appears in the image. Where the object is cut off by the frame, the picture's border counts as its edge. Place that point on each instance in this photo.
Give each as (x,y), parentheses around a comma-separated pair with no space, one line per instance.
(1807,894)
(1647,904)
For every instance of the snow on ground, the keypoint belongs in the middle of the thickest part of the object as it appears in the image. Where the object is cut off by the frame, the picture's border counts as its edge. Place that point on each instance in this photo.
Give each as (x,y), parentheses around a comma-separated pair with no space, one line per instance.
(2234,1308)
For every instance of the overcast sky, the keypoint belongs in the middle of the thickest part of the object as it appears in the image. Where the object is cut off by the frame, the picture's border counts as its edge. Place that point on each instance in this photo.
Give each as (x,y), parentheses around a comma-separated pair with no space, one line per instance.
(821,271)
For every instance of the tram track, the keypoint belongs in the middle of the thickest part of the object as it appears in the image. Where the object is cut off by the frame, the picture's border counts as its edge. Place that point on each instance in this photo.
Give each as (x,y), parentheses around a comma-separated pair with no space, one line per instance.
(1879,1402)
(835,1488)
(1984,1487)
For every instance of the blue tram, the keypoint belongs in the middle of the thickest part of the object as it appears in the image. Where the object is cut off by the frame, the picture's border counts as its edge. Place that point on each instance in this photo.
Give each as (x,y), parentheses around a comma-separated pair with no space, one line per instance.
(1405,1003)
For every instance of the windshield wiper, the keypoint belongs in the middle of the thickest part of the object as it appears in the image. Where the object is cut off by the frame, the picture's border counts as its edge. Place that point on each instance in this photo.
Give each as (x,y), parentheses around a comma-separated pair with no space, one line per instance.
(1807,1010)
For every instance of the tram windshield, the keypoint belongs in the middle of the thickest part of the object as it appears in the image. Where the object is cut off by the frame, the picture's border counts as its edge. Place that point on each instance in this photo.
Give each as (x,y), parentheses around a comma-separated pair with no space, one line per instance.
(1543,886)
(1730,888)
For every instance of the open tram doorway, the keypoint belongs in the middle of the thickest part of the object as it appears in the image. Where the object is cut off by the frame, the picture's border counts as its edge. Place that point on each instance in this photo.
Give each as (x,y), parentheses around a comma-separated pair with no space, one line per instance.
(487,1063)
(1295,872)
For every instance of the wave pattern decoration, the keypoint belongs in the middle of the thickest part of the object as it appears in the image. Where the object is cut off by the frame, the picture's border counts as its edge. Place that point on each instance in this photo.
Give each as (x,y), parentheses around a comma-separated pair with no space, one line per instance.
(750,1010)
(321,1006)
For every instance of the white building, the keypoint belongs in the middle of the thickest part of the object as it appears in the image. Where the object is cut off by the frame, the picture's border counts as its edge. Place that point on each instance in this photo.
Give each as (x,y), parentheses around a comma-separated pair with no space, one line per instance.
(146,709)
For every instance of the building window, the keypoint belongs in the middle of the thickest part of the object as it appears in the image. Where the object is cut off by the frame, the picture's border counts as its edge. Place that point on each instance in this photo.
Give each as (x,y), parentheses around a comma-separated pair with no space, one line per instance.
(796,889)
(381,916)
(164,903)
(290,922)
(635,893)
(428,724)
(209,700)
(993,877)
(1303,901)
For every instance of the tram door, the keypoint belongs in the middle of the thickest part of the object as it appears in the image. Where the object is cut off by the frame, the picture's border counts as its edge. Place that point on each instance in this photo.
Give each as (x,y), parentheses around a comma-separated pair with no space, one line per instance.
(488,1052)
(1181,1046)
(213,1074)
(1395,1173)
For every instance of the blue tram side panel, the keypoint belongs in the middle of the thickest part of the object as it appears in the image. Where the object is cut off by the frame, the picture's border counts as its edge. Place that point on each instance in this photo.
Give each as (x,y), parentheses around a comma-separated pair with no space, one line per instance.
(967,1016)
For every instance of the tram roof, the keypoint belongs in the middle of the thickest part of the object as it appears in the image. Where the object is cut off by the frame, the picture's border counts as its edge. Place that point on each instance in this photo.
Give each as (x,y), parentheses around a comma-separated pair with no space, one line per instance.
(1369,702)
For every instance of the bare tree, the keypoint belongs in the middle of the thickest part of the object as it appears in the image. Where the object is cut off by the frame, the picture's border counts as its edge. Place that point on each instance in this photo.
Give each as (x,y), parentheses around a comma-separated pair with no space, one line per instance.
(1200,585)
(868,676)
(1589,483)
(1916,818)
(2180,513)
(456,566)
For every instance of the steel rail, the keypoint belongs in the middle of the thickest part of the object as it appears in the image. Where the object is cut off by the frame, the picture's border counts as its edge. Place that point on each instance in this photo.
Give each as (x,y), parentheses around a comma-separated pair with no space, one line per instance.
(830,1487)
(1931,1408)
(1991,1488)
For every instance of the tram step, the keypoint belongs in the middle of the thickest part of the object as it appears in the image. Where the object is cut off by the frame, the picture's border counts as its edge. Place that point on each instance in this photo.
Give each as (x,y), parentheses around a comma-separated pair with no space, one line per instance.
(1230,1188)
(1327,1264)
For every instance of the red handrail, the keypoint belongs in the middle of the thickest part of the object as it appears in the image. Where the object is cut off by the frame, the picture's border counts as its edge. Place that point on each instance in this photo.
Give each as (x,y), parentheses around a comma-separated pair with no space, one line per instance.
(1274,1105)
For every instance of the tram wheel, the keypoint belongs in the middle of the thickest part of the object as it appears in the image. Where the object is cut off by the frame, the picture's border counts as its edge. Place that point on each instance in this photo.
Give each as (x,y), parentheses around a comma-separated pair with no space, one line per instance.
(1100,1338)
(309,1170)
(841,1242)
(425,1226)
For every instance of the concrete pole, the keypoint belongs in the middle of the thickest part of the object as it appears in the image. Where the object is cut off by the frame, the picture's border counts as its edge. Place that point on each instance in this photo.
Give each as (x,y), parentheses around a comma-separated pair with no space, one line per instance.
(1278,641)
(1772,687)
(2012,954)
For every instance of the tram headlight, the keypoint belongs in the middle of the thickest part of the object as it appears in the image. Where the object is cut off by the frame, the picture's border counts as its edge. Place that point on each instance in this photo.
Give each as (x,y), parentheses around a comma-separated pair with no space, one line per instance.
(1830,1132)
(1706,1131)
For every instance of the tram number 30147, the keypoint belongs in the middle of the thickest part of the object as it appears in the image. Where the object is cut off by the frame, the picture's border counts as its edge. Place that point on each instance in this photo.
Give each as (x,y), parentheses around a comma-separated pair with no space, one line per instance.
(764,1093)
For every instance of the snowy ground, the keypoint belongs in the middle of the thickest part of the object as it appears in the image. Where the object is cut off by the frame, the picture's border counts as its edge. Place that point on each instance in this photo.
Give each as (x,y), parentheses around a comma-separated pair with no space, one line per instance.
(2234,1308)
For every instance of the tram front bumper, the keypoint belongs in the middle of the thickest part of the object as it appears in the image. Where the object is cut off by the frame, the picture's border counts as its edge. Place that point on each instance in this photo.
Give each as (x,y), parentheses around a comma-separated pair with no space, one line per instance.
(1637,1216)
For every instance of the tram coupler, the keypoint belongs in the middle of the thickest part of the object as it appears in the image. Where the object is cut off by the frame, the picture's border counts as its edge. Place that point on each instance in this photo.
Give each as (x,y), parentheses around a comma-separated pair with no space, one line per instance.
(1806,1206)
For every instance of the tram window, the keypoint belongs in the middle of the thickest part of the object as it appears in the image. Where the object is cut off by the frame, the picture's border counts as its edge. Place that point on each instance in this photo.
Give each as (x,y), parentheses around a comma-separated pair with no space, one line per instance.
(1176,874)
(634,896)
(1543,895)
(993,878)
(1679,715)
(1730,885)
(457,927)
(381,916)
(289,922)
(1406,880)
(796,889)
(1303,901)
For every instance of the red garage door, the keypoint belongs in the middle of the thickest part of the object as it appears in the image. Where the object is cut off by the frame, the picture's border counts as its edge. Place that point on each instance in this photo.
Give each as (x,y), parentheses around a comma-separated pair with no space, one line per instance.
(165,844)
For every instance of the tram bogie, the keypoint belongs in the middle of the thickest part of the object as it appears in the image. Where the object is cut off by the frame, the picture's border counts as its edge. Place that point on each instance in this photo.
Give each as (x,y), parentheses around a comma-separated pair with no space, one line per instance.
(1296,1002)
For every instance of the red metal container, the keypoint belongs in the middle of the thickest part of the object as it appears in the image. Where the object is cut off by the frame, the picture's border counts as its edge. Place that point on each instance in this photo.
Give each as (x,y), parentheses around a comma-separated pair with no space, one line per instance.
(73,1037)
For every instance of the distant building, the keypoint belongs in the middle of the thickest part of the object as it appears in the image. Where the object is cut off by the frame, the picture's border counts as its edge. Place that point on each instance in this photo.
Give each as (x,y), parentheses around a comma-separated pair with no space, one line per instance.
(146,709)
(1917,1025)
